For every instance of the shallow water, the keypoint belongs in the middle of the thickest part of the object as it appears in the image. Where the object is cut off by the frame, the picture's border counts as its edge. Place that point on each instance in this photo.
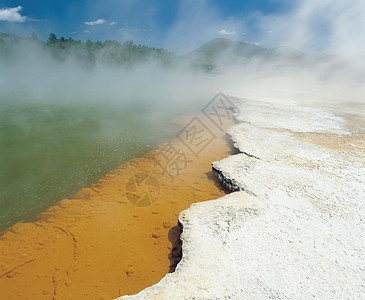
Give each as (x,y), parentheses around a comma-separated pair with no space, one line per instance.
(50,150)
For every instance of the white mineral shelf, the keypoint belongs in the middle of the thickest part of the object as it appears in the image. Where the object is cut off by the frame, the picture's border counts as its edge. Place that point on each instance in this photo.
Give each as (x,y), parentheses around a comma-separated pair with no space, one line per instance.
(295,230)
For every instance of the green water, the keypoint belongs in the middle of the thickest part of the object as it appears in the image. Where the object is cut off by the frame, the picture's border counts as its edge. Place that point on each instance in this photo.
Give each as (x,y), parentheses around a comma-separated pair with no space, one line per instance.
(50,150)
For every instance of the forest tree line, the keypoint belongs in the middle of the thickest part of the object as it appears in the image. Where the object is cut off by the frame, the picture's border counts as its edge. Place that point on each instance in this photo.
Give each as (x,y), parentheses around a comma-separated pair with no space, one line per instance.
(109,52)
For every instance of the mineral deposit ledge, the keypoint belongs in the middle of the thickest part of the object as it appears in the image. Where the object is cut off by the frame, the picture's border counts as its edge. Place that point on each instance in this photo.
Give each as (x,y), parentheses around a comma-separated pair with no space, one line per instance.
(294,226)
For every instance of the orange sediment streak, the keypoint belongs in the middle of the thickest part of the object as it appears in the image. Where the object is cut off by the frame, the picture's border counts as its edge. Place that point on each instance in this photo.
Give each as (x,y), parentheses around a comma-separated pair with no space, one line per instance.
(109,240)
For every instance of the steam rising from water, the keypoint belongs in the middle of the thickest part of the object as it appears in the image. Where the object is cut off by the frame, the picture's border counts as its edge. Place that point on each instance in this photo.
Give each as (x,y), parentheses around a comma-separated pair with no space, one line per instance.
(36,76)
(334,27)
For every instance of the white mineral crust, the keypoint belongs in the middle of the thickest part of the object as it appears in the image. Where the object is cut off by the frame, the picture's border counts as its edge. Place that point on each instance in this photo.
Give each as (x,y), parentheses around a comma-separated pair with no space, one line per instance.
(295,230)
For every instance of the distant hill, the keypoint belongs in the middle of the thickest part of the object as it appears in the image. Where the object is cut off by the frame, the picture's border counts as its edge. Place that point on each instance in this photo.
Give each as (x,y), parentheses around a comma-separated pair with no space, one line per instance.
(221,53)
(214,49)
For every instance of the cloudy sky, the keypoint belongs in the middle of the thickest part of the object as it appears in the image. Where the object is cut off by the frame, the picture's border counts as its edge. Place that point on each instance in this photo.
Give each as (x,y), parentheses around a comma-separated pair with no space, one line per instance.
(182,25)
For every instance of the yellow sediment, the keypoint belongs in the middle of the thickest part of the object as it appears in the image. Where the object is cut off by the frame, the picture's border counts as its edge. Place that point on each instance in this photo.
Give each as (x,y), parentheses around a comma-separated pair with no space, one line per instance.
(103,243)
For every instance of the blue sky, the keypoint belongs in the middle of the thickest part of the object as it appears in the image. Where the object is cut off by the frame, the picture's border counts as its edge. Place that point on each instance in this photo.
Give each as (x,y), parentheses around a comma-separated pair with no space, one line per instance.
(148,22)
(182,25)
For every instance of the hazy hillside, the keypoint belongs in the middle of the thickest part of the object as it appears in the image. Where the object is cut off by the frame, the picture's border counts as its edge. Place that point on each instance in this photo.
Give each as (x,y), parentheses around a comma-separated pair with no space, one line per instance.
(221,53)
(225,50)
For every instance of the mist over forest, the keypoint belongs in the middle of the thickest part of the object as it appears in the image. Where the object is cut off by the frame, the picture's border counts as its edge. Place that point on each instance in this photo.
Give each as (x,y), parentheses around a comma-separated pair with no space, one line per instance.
(87,54)
(122,72)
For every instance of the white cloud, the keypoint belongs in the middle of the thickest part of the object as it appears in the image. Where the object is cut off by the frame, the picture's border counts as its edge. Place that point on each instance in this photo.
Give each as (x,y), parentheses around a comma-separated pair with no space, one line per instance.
(112,23)
(96,22)
(226,32)
(12,14)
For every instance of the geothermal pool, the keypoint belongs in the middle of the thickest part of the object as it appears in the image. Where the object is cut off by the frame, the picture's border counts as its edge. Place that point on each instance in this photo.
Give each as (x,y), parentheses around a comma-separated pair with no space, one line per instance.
(101,243)
(50,150)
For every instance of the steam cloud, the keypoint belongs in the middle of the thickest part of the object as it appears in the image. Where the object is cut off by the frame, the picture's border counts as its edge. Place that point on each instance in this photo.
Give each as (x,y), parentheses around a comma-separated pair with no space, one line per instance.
(330,26)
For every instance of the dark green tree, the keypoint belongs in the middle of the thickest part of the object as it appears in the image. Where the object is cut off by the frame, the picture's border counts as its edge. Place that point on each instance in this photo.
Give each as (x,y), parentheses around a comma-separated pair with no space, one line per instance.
(52,39)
